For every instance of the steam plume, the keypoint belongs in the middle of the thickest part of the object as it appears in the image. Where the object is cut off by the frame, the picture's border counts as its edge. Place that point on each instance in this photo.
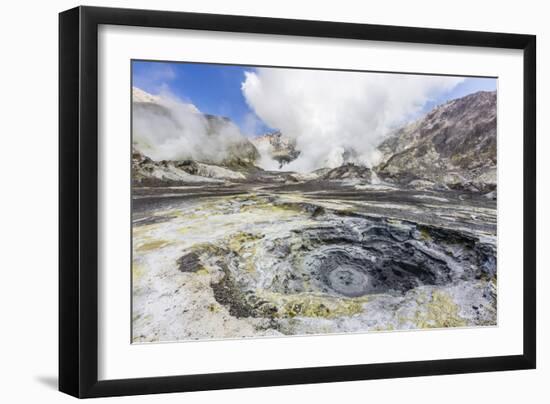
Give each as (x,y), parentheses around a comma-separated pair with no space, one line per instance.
(166,128)
(338,116)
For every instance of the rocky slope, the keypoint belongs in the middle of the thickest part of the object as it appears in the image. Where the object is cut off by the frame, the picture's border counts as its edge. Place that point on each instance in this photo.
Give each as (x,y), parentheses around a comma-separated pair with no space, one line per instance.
(452,146)
(146,172)
(217,151)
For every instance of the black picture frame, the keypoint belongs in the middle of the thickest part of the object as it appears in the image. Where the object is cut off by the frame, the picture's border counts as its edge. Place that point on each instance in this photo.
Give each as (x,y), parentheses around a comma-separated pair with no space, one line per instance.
(78,201)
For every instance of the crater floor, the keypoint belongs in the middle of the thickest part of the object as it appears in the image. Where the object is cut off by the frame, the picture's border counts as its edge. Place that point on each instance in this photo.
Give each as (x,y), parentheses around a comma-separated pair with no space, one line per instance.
(213,262)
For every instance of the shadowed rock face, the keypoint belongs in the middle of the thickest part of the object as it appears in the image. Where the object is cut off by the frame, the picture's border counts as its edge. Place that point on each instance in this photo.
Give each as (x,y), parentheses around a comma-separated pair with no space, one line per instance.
(349,171)
(454,145)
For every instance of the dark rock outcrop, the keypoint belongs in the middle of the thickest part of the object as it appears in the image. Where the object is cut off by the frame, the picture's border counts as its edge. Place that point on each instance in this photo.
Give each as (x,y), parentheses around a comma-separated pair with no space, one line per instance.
(349,171)
(453,145)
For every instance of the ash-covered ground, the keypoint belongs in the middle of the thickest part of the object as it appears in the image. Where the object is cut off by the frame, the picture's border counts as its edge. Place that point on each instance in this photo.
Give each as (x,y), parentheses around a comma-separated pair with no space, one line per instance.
(262,258)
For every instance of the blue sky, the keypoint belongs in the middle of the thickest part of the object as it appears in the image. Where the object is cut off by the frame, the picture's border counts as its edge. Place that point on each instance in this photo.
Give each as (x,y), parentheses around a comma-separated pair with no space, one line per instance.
(216,89)
(213,89)
(468,86)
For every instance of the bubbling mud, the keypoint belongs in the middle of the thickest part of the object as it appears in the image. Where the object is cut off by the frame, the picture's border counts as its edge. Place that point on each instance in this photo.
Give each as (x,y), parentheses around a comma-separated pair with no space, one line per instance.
(344,257)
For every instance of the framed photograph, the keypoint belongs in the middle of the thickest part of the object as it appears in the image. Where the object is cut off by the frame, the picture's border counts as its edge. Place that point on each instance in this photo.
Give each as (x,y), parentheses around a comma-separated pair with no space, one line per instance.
(251,201)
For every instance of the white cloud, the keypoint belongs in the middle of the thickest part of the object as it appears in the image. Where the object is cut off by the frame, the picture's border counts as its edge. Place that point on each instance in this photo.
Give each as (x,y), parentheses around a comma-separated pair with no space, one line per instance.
(330,113)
